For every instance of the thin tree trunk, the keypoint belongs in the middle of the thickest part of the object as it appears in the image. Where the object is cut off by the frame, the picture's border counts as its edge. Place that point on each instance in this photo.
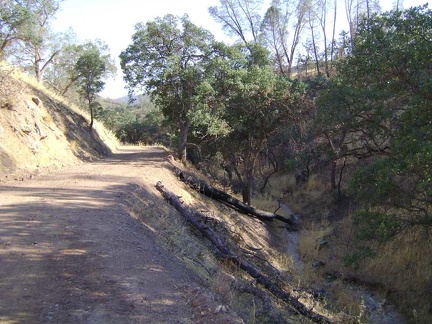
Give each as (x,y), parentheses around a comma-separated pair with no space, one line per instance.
(333,34)
(184,130)
(91,114)
(315,48)
(333,174)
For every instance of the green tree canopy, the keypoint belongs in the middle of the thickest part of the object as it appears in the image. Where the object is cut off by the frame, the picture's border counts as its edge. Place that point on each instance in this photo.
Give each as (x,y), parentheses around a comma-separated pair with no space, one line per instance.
(91,68)
(27,38)
(258,103)
(169,58)
(383,99)
(13,16)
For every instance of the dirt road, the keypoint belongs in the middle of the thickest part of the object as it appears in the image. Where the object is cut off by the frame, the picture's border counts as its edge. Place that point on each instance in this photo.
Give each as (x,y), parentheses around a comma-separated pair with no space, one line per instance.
(70,252)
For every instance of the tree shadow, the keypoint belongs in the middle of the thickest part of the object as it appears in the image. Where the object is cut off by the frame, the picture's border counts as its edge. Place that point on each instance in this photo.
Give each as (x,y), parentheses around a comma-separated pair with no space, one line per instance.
(77,256)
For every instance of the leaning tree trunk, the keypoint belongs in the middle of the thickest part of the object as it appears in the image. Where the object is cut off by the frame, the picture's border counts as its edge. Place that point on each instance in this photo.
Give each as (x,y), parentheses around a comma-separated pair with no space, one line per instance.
(223,197)
(195,219)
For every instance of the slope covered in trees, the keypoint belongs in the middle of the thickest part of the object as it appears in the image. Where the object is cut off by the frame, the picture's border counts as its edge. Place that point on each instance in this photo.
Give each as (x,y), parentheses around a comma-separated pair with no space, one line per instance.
(347,116)
(361,121)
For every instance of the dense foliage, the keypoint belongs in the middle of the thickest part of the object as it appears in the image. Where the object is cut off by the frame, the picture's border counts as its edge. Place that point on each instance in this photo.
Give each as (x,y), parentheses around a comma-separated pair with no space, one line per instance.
(168,58)
(377,110)
(90,69)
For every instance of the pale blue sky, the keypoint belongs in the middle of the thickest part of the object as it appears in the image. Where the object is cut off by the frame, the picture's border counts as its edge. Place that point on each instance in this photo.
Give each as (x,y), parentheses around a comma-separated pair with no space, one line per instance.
(113,22)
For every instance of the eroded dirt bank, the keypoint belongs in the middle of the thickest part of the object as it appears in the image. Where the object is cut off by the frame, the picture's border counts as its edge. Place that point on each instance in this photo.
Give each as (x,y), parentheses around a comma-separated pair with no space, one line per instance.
(70,252)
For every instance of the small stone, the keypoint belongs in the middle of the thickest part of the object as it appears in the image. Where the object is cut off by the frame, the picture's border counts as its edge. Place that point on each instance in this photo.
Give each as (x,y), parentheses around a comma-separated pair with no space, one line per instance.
(221,309)
(318,263)
(26,129)
(36,100)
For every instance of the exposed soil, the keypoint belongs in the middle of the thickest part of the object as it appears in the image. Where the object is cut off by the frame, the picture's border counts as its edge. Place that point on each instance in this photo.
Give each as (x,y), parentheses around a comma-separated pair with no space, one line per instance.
(70,251)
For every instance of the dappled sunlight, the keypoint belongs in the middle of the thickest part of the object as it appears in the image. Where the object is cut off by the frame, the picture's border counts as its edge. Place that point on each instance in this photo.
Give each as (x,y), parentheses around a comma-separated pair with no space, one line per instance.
(70,240)
(73,252)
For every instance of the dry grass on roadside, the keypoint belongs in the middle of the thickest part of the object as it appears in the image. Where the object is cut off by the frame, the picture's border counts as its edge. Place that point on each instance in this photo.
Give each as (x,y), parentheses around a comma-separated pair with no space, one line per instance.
(107,136)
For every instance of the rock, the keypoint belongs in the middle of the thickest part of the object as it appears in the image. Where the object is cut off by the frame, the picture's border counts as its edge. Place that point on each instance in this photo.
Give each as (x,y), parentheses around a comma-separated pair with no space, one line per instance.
(323,244)
(318,263)
(221,309)
(35,147)
(26,129)
(36,100)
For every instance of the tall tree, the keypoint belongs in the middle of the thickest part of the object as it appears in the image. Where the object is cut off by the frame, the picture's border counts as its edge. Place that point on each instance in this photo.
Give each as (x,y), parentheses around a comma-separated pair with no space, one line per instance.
(311,19)
(168,58)
(13,17)
(239,18)
(383,97)
(91,68)
(355,9)
(322,10)
(281,30)
(36,45)
(61,75)
(260,102)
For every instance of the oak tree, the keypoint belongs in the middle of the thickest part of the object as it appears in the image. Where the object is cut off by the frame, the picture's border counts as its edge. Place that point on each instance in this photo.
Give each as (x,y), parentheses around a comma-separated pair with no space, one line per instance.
(168,58)
(91,68)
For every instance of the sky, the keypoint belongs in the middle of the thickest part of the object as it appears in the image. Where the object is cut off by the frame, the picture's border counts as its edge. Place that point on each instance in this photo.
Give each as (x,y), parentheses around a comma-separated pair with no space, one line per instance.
(113,22)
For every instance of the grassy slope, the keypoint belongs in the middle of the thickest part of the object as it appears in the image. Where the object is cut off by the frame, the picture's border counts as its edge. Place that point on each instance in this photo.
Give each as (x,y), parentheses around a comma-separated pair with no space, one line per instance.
(41,131)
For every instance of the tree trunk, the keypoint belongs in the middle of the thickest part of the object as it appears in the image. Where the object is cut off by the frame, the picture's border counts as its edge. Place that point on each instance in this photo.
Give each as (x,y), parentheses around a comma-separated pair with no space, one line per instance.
(91,114)
(184,130)
(226,253)
(246,194)
(232,202)
(333,33)
(333,175)
(248,187)
(315,50)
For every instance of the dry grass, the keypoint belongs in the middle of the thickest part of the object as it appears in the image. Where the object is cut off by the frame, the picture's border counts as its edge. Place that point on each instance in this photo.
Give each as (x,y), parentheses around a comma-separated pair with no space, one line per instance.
(404,266)
(9,87)
(348,302)
(106,135)
(401,271)
(49,131)
(263,244)
(311,241)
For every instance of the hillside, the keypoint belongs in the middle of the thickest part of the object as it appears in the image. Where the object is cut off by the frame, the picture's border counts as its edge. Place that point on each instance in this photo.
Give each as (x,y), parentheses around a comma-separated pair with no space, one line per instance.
(40,131)
(95,242)
(85,236)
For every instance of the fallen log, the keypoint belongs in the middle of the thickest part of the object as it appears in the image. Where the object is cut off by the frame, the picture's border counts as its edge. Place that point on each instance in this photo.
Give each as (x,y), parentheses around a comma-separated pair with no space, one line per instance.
(194,218)
(221,196)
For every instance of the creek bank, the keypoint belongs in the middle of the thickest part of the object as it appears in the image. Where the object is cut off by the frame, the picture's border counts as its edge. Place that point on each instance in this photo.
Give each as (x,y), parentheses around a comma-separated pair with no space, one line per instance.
(373,306)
